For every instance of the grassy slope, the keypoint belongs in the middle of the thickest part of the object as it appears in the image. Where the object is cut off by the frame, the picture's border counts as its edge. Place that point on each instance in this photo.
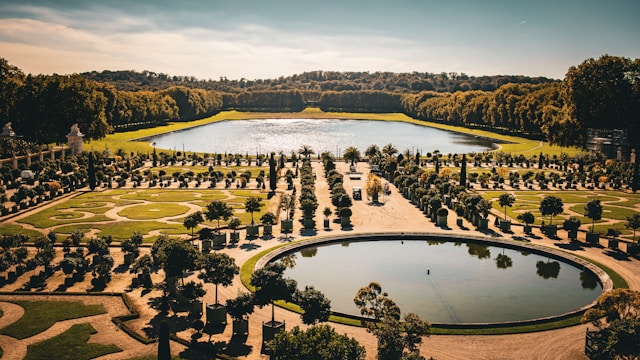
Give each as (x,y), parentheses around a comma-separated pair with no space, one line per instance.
(127,140)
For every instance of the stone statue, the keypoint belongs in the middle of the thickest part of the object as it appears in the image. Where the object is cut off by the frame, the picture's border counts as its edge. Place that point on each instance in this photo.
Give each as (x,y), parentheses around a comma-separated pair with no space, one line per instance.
(7,131)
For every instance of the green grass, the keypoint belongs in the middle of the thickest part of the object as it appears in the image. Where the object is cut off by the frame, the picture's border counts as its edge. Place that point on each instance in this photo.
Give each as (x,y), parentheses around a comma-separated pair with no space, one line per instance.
(153,211)
(72,344)
(121,230)
(11,229)
(41,315)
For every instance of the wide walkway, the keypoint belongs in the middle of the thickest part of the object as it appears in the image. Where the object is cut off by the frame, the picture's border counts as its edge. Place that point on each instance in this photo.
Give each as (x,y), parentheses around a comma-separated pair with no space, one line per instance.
(397,214)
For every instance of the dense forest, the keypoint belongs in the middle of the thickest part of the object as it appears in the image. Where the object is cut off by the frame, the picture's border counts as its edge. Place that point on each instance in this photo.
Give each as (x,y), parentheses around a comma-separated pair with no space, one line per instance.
(599,93)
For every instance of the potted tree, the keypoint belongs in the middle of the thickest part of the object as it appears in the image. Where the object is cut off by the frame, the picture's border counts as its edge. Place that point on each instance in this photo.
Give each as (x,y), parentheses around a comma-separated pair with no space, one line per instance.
(613,234)
(593,210)
(251,205)
(267,220)
(571,225)
(271,286)
(308,207)
(528,218)
(633,222)
(239,309)
(217,210)
(327,212)
(345,216)
(234,224)
(217,269)
(287,203)
(442,217)
(192,292)
(505,200)
(483,207)
(551,206)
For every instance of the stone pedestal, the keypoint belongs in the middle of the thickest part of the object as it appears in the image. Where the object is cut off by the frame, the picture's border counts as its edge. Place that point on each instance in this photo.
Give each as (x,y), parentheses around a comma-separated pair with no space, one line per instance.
(74,140)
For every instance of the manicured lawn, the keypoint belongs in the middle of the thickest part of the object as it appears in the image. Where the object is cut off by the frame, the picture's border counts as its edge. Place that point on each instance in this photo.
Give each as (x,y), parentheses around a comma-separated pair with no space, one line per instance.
(72,344)
(11,229)
(41,315)
(153,211)
(71,215)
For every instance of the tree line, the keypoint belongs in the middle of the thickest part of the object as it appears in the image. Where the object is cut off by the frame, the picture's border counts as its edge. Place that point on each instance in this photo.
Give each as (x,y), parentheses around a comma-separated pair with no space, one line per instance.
(602,93)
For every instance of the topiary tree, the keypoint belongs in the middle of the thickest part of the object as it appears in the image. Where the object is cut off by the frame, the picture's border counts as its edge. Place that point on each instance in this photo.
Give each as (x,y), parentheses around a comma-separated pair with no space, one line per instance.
(633,222)
(217,269)
(271,286)
(253,204)
(551,206)
(268,218)
(593,210)
(217,210)
(505,200)
(193,220)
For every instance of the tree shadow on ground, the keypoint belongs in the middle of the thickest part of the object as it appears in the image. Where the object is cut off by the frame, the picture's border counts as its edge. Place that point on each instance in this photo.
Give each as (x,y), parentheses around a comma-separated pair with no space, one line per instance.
(249,246)
(618,255)
(490,232)
(573,246)
(121,269)
(176,323)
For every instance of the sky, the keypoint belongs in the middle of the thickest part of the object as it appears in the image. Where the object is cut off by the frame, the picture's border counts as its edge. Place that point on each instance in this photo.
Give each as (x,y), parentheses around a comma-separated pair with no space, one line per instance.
(266,39)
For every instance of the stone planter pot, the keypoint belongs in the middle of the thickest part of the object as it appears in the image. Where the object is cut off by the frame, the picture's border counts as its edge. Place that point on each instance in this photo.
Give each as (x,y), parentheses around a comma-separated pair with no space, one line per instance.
(613,244)
(483,224)
(459,222)
(235,237)
(309,224)
(286,225)
(240,327)
(195,308)
(267,230)
(527,229)
(572,234)
(326,223)
(633,249)
(253,230)
(593,238)
(551,230)
(216,314)
(345,221)
(271,329)
(206,245)
(505,225)
(442,221)
(220,239)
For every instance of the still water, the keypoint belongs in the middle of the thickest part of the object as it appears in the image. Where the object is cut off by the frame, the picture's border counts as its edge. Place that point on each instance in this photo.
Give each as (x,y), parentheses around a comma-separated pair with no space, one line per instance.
(287,135)
(446,282)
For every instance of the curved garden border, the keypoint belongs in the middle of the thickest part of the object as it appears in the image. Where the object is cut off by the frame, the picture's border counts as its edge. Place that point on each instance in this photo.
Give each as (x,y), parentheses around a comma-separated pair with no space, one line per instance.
(603,277)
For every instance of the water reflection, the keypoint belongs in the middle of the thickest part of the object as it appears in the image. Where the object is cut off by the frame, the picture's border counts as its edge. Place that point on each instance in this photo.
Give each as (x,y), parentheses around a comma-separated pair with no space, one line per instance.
(481,251)
(437,279)
(289,260)
(503,261)
(286,135)
(588,280)
(548,269)
(435,242)
(309,252)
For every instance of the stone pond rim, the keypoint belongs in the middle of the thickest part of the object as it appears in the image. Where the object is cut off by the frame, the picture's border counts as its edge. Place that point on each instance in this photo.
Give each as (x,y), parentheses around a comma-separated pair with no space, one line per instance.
(603,277)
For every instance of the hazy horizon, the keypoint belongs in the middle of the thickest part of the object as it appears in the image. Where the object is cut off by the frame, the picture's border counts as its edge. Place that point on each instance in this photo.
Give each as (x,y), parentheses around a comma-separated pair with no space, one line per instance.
(250,39)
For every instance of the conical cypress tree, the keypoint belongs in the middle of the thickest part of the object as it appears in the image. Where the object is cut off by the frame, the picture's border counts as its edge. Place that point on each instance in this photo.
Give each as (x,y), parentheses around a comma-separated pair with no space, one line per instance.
(91,172)
(272,173)
(463,171)
(164,348)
